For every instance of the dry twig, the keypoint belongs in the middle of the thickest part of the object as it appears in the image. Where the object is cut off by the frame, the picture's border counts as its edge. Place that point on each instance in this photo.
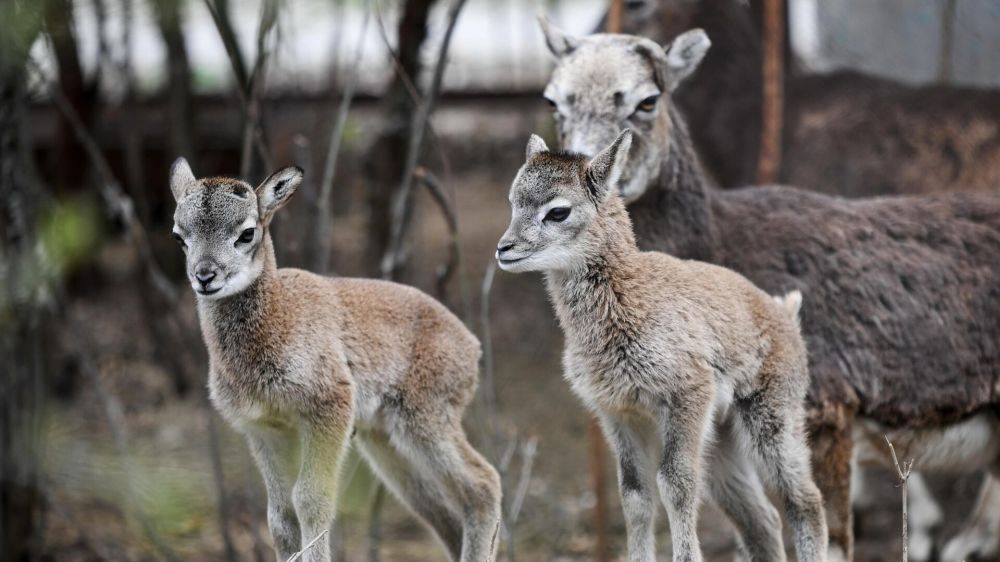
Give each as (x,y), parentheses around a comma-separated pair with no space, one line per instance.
(118,203)
(421,117)
(320,261)
(249,84)
(299,554)
(447,271)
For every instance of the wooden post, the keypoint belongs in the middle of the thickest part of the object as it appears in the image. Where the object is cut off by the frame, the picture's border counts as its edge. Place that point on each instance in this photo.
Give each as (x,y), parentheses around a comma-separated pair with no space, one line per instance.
(772,106)
(614,23)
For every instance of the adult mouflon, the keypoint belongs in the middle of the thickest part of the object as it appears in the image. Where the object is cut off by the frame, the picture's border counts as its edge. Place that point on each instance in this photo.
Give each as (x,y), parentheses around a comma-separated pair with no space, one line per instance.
(298,363)
(716,366)
(902,292)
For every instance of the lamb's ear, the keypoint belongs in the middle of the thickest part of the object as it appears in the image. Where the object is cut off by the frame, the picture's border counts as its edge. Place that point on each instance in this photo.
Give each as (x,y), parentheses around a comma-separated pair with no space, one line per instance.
(559,43)
(535,145)
(276,190)
(605,169)
(683,55)
(181,178)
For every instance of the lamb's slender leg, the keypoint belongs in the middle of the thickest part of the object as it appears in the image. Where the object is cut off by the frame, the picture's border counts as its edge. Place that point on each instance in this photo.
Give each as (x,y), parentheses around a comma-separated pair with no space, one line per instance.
(637,497)
(276,453)
(471,483)
(324,445)
(737,489)
(419,491)
(924,515)
(981,537)
(684,426)
(778,441)
(832,449)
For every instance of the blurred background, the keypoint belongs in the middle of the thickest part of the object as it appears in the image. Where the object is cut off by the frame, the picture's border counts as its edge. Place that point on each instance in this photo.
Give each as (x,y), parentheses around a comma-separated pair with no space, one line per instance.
(410,119)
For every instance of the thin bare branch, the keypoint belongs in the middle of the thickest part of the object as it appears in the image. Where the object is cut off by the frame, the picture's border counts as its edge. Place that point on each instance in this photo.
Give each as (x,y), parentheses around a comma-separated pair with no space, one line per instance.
(528,451)
(299,554)
(322,233)
(219,9)
(447,207)
(486,335)
(249,84)
(903,475)
(252,134)
(421,117)
(118,203)
(397,65)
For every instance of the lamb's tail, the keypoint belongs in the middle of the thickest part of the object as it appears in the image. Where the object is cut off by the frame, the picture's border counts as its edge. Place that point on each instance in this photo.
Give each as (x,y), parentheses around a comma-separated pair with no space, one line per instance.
(791,302)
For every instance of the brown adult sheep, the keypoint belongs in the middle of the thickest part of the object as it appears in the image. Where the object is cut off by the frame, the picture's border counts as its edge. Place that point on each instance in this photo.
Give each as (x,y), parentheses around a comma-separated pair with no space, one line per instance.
(845,132)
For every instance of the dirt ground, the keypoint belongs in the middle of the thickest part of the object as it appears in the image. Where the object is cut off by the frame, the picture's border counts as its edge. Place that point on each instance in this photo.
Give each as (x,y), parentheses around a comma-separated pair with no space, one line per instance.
(105,504)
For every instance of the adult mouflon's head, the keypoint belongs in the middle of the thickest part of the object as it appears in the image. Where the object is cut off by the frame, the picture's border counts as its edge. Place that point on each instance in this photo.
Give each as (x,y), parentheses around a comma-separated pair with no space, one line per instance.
(222,223)
(603,83)
(555,199)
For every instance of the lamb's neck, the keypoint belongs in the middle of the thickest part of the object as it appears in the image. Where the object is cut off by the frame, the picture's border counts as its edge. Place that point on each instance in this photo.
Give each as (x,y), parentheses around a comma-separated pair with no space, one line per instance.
(591,292)
(232,323)
(674,214)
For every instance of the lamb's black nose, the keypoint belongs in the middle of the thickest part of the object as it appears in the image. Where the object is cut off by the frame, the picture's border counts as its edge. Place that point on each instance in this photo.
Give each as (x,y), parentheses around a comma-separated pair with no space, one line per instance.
(504,247)
(204,276)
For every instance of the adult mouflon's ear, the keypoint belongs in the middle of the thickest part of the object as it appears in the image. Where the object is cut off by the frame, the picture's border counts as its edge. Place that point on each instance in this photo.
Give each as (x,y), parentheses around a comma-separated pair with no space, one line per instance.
(605,169)
(181,178)
(275,191)
(559,43)
(683,55)
(536,145)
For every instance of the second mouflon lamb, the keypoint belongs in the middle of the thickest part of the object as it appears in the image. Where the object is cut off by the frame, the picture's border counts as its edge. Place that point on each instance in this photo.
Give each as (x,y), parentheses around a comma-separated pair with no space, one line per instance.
(716,366)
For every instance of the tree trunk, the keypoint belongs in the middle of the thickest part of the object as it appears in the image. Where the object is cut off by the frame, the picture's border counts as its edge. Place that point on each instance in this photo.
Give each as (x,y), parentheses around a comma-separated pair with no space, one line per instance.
(70,163)
(21,501)
(387,156)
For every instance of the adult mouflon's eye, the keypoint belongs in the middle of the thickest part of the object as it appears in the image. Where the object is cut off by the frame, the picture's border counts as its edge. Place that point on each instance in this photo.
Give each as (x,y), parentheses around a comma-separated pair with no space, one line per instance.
(246,236)
(557,214)
(648,104)
(179,239)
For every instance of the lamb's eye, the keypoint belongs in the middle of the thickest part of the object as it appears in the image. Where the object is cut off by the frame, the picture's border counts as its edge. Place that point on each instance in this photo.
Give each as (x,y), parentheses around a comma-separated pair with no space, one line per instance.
(551,103)
(557,214)
(648,104)
(179,239)
(246,236)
